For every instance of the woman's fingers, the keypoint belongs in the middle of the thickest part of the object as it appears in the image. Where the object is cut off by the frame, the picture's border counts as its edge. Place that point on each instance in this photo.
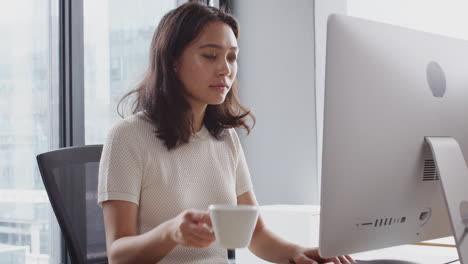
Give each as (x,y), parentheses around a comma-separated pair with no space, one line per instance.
(200,224)
(198,216)
(303,260)
(334,260)
(206,219)
(202,233)
(195,231)
(192,238)
(350,259)
(343,260)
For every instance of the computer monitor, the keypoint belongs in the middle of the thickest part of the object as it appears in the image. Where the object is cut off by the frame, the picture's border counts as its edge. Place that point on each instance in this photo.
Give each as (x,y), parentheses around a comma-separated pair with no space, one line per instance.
(388,91)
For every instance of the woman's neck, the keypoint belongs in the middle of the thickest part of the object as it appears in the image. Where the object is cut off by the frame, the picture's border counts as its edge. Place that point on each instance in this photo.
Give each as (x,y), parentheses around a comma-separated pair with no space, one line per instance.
(198,116)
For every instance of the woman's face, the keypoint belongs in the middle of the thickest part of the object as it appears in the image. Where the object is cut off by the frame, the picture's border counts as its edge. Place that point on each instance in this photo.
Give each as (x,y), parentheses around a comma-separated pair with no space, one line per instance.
(208,65)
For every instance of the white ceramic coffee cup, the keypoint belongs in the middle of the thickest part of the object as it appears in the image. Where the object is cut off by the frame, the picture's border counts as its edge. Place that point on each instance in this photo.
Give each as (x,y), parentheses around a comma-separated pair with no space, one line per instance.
(233,224)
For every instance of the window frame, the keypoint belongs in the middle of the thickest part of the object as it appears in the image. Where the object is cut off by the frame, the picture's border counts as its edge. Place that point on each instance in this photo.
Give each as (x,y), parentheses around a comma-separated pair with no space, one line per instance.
(71,84)
(71,76)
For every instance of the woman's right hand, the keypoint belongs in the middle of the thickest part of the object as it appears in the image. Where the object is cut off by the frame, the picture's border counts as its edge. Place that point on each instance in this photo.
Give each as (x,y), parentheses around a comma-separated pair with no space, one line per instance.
(192,228)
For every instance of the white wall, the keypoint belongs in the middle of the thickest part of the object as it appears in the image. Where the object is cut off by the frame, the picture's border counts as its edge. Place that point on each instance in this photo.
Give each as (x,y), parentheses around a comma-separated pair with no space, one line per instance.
(277,66)
(446,17)
(323,9)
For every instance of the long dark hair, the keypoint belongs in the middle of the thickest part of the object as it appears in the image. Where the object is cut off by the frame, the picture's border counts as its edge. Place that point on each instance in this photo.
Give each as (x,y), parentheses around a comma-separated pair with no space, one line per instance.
(160,94)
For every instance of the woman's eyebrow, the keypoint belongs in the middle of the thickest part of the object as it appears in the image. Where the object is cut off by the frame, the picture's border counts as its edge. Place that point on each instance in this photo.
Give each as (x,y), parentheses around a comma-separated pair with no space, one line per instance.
(216,46)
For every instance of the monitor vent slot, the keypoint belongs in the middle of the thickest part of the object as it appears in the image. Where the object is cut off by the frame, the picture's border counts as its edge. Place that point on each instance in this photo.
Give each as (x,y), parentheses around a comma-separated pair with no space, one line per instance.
(383,222)
(430,171)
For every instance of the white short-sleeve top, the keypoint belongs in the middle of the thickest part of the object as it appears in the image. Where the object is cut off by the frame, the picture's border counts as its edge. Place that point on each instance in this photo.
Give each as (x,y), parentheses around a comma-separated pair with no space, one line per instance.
(137,167)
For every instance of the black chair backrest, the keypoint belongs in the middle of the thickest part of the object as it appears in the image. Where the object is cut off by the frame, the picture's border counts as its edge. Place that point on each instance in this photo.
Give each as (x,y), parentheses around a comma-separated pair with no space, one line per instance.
(70,176)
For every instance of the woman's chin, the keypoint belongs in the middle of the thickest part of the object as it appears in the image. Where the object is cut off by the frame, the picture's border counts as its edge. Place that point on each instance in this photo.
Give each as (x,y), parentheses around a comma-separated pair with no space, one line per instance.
(217,101)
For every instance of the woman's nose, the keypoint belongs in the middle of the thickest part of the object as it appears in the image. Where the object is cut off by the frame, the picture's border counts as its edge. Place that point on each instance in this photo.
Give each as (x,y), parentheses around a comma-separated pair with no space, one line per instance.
(224,68)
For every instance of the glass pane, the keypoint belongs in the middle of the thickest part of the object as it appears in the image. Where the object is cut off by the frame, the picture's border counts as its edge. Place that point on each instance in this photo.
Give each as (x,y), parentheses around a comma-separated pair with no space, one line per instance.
(117,36)
(29,126)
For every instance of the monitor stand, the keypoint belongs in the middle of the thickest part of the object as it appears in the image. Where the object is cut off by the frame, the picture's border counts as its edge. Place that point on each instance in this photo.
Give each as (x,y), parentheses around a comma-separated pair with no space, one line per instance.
(453,175)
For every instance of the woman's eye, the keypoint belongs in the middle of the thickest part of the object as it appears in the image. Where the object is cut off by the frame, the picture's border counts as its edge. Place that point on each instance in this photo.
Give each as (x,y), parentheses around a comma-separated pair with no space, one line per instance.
(210,57)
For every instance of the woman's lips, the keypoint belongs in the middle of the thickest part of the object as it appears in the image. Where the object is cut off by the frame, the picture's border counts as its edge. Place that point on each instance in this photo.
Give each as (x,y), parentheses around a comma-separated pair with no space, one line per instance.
(220,88)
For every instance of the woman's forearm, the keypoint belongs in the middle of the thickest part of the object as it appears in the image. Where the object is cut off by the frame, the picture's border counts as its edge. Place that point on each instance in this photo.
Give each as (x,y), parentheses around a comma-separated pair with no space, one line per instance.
(149,247)
(268,246)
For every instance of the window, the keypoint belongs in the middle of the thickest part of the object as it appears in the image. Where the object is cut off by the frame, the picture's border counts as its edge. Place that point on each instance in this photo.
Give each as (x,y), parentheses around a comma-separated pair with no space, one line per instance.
(117,38)
(29,126)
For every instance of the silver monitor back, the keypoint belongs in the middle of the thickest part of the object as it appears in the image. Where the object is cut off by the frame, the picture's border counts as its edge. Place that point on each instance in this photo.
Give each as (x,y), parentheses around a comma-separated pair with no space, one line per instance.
(386,89)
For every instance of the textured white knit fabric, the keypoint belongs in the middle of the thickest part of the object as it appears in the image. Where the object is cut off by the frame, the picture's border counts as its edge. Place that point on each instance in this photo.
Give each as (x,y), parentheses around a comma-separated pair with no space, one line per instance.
(137,167)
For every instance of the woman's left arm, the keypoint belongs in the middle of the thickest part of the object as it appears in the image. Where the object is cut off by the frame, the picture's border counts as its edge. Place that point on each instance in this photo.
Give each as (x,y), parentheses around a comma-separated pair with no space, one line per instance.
(270,247)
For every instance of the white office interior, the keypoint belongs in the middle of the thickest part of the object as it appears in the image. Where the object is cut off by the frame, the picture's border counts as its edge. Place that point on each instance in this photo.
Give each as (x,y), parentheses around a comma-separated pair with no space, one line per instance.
(282,80)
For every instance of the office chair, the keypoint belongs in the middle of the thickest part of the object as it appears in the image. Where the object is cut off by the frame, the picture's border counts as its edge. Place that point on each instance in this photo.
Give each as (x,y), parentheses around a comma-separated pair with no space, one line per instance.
(70,177)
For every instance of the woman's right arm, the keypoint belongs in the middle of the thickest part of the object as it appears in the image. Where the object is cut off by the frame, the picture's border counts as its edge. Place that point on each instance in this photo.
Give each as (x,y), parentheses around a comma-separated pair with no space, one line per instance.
(124,245)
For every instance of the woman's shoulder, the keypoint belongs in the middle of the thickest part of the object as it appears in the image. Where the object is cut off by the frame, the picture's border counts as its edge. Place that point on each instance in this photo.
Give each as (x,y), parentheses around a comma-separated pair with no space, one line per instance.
(232,139)
(231,133)
(135,125)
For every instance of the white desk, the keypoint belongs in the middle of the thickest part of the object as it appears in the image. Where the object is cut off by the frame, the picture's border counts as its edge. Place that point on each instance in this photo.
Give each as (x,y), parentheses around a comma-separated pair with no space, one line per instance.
(300,224)
(416,253)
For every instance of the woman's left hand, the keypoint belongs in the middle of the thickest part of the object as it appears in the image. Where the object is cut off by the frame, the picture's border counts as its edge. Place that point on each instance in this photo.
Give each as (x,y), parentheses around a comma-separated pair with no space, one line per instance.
(311,256)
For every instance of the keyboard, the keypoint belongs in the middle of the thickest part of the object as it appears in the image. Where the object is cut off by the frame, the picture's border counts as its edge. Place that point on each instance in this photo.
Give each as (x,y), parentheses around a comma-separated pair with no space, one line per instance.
(383,261)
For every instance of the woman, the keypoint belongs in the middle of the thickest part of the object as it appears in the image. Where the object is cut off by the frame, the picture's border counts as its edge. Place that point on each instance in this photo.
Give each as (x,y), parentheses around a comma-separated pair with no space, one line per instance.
(178,153)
